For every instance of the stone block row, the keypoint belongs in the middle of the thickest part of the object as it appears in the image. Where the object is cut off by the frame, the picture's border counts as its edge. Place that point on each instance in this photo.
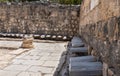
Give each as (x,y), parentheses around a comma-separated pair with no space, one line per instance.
(36,36)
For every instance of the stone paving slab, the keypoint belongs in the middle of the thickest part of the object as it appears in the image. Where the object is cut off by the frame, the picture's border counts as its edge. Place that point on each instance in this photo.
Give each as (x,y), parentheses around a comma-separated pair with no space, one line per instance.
(29,57)
(44,70)
(30,74)
(51,63)
(17,67)
(8,73)
(32,62)
(10,44)
(6,57)
(48,75)
(3,64)
(18,51)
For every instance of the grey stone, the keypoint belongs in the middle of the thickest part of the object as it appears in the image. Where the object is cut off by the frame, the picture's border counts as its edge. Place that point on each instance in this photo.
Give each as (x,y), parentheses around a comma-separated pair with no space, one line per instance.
(76,39)
(82,59)
(77,42)
(79,49)
(85,69)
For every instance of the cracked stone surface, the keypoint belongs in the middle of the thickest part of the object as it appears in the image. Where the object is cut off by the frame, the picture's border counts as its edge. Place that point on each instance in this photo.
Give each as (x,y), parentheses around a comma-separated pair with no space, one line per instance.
(42,60)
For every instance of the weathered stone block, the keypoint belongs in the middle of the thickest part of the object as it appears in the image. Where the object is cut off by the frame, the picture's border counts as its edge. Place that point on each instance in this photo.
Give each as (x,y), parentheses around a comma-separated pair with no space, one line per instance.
(79,49)
(76,39)
(83,59)
(27,42)
(77,44)
(85,69)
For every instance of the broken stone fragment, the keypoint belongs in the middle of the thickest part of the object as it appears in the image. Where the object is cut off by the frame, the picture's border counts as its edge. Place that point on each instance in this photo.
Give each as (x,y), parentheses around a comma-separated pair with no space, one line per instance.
(27,42)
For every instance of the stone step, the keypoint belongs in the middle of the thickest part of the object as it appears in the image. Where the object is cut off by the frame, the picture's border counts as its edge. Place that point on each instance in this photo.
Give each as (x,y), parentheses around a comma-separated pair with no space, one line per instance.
(78,50)
(83,59)
(85,69)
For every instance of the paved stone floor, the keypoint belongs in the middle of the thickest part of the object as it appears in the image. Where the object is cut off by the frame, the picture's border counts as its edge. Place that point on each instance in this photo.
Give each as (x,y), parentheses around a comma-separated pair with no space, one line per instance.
(42,60)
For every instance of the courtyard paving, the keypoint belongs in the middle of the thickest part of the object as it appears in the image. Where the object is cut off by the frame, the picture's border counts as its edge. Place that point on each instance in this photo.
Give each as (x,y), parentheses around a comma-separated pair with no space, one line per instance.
(42,60)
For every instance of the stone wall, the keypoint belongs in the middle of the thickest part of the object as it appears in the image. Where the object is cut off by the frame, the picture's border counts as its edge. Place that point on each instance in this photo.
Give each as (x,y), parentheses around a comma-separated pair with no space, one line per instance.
(38,18)
(100,27)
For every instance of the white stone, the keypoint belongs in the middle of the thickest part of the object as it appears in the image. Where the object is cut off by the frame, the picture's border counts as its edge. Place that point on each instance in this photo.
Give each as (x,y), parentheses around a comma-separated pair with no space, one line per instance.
(18,61)
(44,54)
(28,57)
(8,73)
(94,3)
(33,62)
(17,68)
(29,74)
(41,69)
(51,63)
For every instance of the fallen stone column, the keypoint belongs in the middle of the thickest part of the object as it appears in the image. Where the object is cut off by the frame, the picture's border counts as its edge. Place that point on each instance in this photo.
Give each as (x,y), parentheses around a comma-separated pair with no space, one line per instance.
(83,59)
(77,42)
(80,49)
(85,69)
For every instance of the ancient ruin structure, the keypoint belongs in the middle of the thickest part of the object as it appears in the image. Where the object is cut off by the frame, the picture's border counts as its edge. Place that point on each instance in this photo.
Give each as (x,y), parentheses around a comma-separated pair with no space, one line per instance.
(93,31)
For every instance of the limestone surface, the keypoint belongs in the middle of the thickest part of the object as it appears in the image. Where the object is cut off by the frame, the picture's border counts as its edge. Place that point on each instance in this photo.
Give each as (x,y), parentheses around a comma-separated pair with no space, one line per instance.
(42,60)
